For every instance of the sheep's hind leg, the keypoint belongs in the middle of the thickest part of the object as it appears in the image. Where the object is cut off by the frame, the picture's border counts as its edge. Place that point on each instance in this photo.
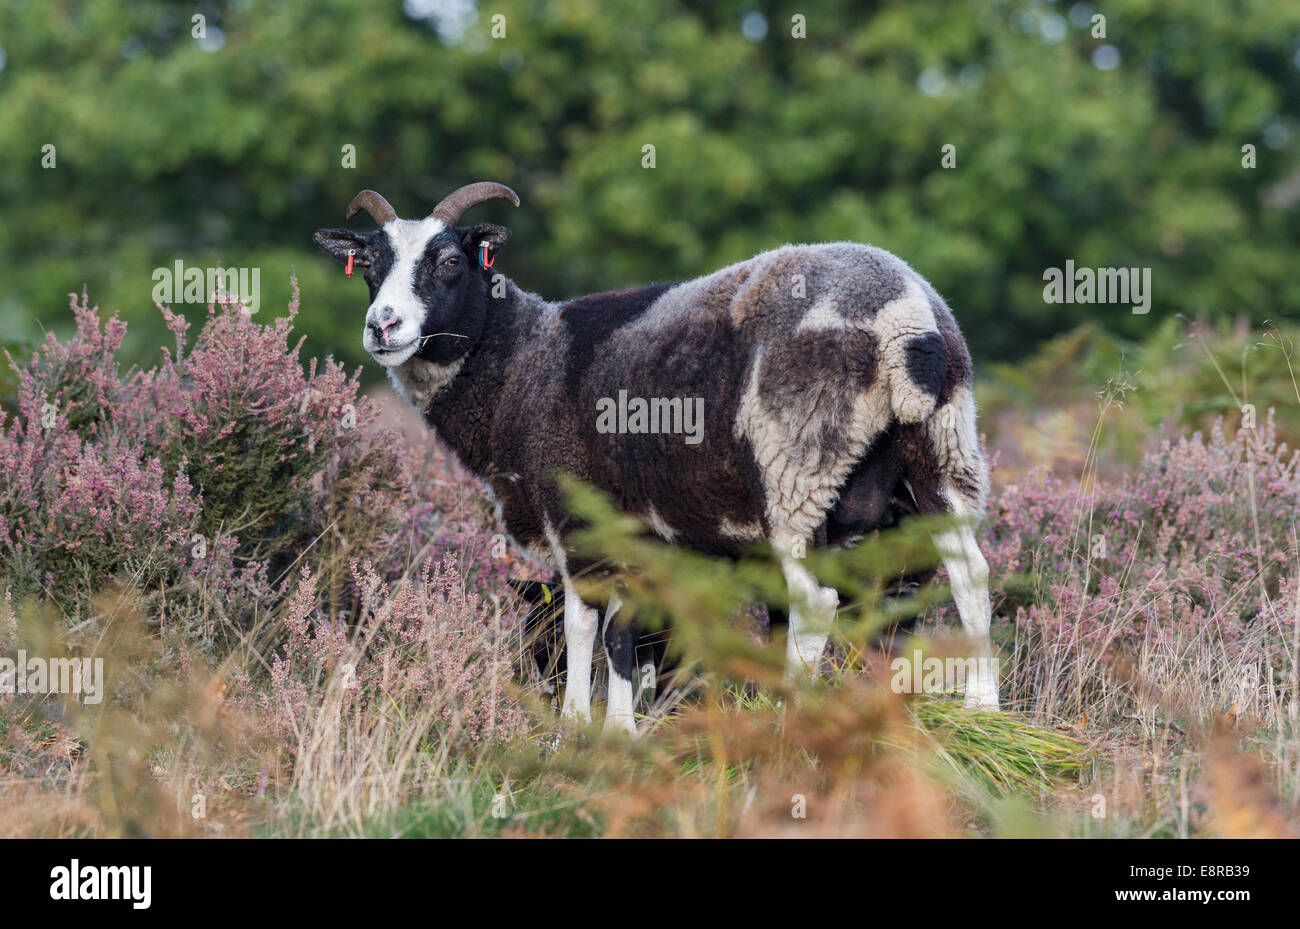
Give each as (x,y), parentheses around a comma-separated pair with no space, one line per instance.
(620,639)
(968,573)
(945,473)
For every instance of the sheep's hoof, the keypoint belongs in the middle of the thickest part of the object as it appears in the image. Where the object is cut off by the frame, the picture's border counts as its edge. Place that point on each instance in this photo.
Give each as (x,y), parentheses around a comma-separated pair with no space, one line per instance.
(571,717)
(575,726)
(619,726)
(982,699)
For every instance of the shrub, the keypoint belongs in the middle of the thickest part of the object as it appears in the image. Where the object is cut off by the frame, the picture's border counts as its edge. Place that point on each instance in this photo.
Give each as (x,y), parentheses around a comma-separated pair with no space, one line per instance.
(201,478)
(372,712)
(80,501)
(1189,558)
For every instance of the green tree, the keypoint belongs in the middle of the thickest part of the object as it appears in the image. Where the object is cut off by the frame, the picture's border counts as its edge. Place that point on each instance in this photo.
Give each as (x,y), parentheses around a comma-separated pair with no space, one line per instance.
(1117,151)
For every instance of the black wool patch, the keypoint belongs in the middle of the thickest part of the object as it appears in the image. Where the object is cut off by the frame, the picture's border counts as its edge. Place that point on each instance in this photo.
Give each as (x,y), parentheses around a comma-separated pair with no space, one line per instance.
(589,321)
(927,362)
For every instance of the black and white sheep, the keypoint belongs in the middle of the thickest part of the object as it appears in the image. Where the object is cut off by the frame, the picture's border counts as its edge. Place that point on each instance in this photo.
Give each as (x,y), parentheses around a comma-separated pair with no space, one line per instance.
(834,378)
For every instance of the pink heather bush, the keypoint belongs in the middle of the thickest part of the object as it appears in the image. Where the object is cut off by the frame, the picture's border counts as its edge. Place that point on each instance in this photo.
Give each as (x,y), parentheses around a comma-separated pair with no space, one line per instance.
(80,501)
(203,480)
(1163,561)
(278,453)
(426,649)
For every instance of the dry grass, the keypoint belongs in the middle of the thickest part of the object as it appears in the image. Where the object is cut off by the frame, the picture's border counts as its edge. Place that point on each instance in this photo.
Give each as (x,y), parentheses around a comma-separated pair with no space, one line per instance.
(1178,736)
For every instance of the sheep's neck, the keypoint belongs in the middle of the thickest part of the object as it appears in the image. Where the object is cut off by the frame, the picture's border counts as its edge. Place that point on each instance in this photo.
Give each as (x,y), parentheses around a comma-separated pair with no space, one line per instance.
(462,410)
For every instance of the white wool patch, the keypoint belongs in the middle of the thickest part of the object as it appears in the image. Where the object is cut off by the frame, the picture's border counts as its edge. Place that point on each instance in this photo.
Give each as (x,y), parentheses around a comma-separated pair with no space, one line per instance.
(660,527)
(822,316)
(956,446)
(409,238)
(800,478)
(419,381)
(799,484)
(812,613)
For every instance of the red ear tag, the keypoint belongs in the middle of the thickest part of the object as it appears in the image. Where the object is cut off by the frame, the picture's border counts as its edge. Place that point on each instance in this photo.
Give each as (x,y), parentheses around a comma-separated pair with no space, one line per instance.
(348,270)
(484,260)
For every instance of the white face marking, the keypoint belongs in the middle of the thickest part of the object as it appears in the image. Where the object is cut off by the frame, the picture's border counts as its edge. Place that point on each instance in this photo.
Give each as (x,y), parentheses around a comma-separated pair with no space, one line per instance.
(408,238)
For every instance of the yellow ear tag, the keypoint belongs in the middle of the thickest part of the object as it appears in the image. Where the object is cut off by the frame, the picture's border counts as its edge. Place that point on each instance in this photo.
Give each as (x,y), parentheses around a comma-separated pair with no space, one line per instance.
(546,594)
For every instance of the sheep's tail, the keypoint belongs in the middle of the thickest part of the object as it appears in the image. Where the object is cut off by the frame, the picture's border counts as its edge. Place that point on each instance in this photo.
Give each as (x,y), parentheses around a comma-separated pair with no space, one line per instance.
(913,355)
(942,446)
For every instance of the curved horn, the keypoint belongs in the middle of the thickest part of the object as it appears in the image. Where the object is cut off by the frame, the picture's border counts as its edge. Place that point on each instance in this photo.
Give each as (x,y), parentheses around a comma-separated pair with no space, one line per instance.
(373,204)
(454,205)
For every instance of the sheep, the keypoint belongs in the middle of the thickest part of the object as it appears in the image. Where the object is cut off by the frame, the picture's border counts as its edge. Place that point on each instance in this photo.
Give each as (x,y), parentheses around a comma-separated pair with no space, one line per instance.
(835,382)
(540,637)
(544,602)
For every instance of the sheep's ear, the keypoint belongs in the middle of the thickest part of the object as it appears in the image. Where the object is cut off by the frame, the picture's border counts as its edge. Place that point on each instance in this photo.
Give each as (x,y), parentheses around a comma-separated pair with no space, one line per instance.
(473,237)
(337,242)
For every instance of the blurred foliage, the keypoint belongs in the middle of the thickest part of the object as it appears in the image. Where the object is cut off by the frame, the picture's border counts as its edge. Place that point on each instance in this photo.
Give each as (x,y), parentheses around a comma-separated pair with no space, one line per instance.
(1116,151)
(1089,393)
(700,595)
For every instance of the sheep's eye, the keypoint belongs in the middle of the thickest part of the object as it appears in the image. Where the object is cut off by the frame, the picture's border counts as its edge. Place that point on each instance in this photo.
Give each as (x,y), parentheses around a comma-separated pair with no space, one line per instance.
(451,261)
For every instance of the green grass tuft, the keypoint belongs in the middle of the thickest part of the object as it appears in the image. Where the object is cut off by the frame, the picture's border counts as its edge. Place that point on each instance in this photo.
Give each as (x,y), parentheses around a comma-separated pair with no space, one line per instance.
(1000,750)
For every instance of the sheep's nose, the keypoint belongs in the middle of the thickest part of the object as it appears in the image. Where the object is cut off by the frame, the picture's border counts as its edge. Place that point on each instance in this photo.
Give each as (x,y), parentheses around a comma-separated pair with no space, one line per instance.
(387,320)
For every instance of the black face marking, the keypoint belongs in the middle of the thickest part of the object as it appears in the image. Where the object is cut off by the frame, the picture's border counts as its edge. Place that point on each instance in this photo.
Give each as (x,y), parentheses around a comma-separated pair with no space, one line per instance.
(379,257)
(445,286)
(438,282)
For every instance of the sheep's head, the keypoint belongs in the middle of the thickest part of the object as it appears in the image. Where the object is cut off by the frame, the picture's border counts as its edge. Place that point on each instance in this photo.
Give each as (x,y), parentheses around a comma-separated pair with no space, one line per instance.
(426,290)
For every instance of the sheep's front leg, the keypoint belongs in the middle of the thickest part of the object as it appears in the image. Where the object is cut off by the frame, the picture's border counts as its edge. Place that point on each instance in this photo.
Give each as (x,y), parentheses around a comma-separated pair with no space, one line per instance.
(812,612)
(580,623)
